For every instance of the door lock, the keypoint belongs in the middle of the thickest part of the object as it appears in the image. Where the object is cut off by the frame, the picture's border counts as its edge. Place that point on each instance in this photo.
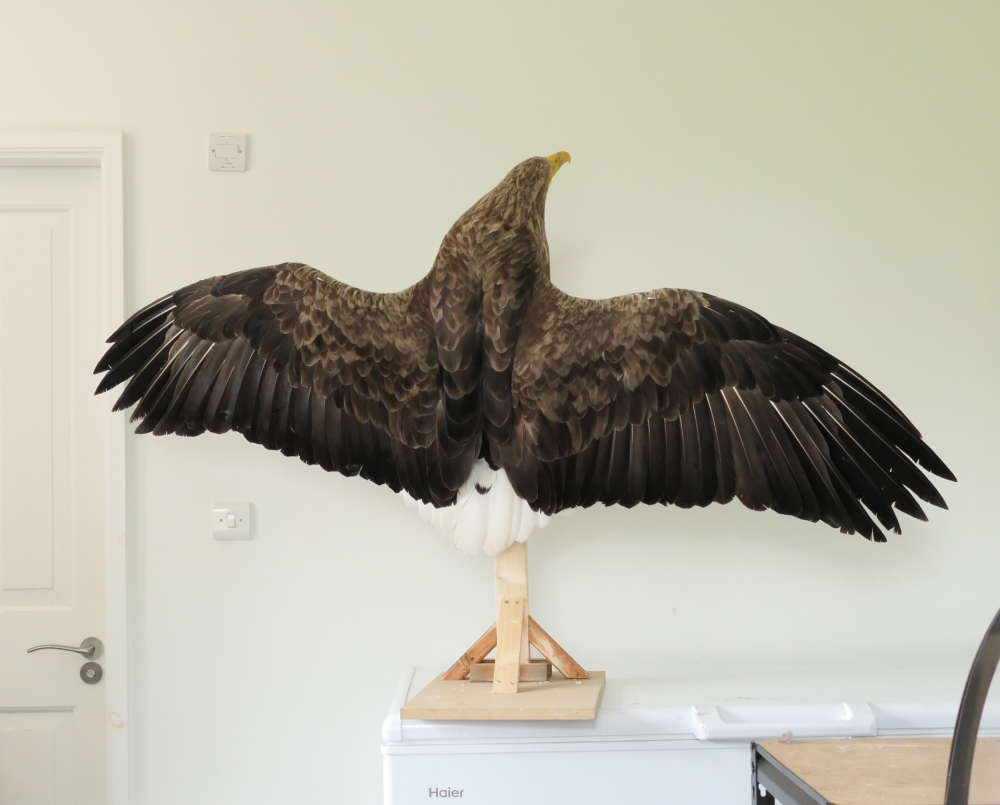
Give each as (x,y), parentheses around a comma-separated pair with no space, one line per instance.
(91,673)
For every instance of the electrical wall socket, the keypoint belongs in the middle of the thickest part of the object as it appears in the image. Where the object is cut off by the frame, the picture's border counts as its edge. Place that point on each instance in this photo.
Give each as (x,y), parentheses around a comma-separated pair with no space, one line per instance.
(227,152)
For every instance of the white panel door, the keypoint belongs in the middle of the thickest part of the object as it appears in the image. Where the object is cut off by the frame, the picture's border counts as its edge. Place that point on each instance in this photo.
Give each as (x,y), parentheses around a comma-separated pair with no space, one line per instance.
(52,477)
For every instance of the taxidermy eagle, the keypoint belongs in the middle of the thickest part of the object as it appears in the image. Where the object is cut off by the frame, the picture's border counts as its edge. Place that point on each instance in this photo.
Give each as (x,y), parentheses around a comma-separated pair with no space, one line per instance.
(493,400)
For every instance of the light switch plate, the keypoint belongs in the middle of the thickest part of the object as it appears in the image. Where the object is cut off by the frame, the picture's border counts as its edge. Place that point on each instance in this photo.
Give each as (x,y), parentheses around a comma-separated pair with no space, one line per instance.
(235,512)
(227,152)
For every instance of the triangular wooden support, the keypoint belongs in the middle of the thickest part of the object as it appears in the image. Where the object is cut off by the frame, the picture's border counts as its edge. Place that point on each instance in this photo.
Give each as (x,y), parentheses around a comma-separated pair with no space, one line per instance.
(517,630)
(537,636)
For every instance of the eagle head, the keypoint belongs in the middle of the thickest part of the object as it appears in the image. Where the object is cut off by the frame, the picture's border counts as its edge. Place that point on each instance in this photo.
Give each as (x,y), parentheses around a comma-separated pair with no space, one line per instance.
(520,196)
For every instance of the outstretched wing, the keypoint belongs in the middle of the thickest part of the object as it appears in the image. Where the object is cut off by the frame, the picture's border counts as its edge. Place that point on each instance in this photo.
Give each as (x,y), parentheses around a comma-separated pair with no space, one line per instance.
(681,398)
(301,363)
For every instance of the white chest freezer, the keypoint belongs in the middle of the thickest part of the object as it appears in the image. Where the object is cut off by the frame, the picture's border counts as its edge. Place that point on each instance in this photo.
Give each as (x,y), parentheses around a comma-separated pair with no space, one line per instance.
(681,738)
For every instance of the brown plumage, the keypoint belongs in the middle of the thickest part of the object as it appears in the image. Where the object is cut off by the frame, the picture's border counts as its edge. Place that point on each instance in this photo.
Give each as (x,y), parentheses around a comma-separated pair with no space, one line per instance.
(671,396)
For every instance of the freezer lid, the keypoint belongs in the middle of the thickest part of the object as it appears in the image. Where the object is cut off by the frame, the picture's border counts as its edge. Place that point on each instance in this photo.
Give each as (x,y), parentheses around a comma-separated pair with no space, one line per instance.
(711,708)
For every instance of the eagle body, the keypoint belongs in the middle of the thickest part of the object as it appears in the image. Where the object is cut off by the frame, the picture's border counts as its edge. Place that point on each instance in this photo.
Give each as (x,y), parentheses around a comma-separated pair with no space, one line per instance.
(492,400)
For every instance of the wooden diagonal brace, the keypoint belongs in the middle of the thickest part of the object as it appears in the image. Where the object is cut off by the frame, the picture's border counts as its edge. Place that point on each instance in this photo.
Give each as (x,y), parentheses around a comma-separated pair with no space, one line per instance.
(554,653)
(476,653)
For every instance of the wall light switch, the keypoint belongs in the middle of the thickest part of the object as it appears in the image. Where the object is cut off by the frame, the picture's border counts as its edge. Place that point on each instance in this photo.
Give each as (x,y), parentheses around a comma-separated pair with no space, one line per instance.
(231,520)
(227,152)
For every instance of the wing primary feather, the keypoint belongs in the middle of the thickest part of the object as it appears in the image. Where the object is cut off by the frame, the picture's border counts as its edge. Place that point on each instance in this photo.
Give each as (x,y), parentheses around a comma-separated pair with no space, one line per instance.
(138,318)
(133,353)
(159,395)
(143,379)
(897,491)
(856,477)
(859,520)
(912,445)
(864,386)
(153,398)
(900,494)
(889,456)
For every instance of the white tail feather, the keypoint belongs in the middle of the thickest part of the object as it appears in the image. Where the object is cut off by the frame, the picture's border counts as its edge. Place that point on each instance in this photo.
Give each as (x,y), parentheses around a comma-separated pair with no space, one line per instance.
(483,521)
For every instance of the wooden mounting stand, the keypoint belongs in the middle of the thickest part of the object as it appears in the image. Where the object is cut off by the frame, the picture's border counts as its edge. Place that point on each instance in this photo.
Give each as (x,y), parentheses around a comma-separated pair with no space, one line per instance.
(456,694)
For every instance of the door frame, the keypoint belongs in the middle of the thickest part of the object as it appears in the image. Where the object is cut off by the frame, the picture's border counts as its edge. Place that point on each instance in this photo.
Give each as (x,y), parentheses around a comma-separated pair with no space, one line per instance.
(102,149)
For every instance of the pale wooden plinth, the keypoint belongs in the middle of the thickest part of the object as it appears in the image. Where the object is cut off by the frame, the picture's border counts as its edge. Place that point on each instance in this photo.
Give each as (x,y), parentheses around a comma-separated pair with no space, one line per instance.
(887,771)
(558,699)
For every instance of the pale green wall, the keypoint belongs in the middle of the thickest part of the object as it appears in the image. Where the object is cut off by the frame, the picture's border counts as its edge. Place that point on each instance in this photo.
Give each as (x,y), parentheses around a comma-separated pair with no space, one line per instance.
(836,167)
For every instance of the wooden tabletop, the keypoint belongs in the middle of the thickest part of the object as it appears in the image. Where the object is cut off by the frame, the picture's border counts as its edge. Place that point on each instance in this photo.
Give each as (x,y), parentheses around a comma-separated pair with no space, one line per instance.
(891,771)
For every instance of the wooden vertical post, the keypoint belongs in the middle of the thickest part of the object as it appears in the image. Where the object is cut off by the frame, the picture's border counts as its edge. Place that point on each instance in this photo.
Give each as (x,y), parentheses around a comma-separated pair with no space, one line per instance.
(510,568)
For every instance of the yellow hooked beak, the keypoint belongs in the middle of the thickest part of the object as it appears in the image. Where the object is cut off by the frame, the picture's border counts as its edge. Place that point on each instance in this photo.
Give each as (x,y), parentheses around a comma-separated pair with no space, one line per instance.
(557,161)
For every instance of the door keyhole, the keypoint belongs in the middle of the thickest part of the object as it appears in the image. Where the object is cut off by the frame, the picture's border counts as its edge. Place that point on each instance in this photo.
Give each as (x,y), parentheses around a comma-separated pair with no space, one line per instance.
(91,673)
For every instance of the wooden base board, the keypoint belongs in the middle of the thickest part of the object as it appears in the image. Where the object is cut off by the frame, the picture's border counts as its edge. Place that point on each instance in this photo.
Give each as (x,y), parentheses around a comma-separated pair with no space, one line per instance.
(559,699)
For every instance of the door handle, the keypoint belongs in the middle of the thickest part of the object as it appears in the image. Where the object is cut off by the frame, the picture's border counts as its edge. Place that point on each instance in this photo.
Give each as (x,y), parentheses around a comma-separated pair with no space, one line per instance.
(91,648)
